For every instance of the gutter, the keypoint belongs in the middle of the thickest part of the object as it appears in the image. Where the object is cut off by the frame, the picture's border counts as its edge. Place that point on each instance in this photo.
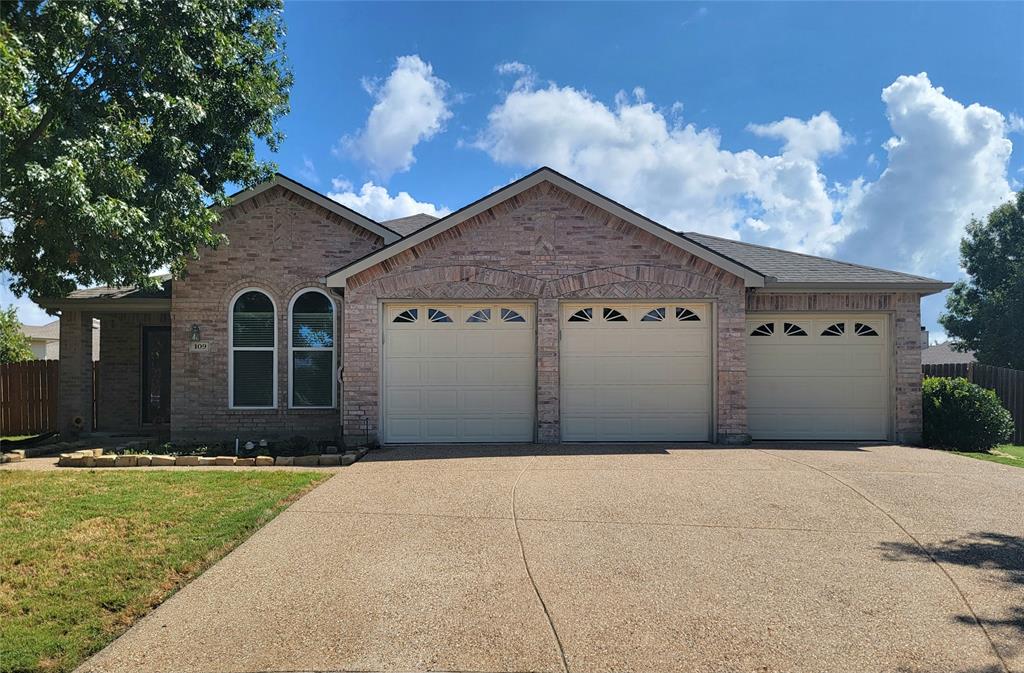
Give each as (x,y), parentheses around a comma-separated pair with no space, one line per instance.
(923,288)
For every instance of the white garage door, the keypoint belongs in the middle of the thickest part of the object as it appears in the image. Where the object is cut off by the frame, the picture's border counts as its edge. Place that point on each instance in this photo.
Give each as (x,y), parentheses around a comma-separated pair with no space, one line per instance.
(818,376)
(635,372)
(459,373)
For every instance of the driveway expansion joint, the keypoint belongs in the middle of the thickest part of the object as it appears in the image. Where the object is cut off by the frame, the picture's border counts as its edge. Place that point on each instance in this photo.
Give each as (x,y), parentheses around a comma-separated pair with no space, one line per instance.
(960,592)
(529,573)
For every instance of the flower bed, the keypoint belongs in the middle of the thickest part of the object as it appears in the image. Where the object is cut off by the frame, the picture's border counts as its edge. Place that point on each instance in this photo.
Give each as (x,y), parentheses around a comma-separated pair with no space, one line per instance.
(97,458)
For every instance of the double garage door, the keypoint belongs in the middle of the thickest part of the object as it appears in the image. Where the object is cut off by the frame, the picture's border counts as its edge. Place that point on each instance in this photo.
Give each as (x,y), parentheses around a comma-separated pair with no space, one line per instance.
(628,372)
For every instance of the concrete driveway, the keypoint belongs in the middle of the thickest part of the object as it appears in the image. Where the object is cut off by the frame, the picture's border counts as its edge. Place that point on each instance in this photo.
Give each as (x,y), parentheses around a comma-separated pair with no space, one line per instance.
(772,558)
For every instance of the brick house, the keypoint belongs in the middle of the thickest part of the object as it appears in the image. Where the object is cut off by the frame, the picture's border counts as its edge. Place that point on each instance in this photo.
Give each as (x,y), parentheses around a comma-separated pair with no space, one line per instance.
(543,312)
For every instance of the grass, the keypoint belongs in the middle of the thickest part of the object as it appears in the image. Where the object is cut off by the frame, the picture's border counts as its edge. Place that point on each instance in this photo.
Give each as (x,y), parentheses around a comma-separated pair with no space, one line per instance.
(1007,454)
(86,553)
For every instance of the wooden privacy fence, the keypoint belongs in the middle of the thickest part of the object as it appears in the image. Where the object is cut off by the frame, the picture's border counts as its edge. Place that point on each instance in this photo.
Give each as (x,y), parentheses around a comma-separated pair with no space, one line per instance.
(1008,384)
(28,397)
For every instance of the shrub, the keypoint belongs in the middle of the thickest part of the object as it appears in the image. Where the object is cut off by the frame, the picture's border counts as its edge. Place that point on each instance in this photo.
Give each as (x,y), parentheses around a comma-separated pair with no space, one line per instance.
(962,416)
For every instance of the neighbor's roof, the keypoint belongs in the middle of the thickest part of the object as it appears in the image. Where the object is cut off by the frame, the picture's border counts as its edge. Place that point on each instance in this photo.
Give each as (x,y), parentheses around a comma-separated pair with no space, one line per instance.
(410,224)
(785,268)
(943,354)
(48,332)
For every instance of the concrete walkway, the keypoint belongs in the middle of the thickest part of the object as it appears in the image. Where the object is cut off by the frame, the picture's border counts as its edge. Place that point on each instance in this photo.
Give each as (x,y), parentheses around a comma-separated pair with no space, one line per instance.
(769,558)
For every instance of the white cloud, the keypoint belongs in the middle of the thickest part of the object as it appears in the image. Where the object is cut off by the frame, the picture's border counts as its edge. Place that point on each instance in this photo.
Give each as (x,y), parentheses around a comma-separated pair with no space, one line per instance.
(808,139)
(308,171)
(512,68)
(946,163)
(1015,123)
(375,202)
(677,174)
(411,106)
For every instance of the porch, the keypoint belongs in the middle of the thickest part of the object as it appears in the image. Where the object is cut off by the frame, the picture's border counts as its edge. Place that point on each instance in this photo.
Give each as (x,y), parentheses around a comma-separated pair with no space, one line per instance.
(132,393)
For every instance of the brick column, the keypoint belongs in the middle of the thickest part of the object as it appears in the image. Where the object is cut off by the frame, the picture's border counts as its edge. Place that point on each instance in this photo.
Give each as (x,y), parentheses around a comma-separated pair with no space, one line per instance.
(548,426)
(908,368)
(75,397)
(732,372)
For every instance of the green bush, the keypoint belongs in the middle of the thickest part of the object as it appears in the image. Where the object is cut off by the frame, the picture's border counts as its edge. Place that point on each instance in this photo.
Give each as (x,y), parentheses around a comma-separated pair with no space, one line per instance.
(962,416)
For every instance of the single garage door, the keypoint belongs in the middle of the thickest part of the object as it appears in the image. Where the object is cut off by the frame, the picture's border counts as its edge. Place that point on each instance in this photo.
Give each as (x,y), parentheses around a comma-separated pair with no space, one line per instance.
(635,372)
(818,376)
(459,372)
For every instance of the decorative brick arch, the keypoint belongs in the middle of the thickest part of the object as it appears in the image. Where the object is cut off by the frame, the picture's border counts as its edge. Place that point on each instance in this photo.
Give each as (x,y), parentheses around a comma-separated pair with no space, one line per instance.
(453,281)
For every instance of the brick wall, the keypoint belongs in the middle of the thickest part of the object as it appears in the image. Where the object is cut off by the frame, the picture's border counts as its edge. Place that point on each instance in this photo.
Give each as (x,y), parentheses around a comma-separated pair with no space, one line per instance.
(906,311)
(75,395)
(279,243)
(547,245)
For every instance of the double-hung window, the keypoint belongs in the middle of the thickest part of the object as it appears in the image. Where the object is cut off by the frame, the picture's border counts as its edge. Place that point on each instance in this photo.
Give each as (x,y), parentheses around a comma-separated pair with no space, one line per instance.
(312,351)
(253,358)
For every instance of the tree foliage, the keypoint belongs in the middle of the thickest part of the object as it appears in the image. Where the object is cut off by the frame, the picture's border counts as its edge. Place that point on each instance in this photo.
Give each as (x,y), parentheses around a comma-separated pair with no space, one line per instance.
(986,313)
(120,123)
(14,344)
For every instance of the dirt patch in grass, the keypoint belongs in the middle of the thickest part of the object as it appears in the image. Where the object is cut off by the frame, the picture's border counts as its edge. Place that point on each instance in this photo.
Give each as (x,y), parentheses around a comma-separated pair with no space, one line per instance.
(1006,454)
(87,553)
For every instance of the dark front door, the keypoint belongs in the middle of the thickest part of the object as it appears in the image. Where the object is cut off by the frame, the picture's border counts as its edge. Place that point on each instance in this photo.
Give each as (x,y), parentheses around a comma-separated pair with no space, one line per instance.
(156,374)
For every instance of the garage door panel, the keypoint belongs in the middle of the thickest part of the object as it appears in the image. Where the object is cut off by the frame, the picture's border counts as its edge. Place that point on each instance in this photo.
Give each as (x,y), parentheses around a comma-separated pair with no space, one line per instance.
(814,386)
(475,342)
(672,398)
(636,428)
(635,380)
(816,393)
(515,371)
(459,381)
(836,425)
(437,371)
(404,401)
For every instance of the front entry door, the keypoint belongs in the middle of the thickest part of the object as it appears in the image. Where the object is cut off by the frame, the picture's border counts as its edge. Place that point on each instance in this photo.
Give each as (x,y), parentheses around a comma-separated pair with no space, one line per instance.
(156,375)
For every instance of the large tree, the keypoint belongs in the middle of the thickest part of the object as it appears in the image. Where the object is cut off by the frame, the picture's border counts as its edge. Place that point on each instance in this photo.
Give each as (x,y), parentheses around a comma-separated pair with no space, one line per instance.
(986,312)
(14,344)
(120,123)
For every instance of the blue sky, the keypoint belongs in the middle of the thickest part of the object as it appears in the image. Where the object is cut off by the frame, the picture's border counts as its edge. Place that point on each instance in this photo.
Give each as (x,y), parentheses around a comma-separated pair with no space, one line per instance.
(806,126)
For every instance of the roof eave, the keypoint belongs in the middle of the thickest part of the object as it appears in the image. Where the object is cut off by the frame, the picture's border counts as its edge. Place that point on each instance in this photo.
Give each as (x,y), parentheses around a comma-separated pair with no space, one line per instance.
(750,277)
(108,305)
(923,288)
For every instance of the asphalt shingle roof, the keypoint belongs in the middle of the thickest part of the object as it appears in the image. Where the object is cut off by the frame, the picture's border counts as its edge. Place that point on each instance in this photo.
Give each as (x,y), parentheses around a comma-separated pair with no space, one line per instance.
(407,226)
(127,292)
(795,267)
(49,331)
(943,354)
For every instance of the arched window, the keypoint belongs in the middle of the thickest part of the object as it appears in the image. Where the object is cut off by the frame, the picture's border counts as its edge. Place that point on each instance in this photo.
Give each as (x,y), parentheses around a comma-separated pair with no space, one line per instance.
(311,356)
(252,380)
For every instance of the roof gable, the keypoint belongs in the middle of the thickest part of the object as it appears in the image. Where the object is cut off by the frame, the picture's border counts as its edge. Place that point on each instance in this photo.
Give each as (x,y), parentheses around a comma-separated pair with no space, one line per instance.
(389,235)
(339,277)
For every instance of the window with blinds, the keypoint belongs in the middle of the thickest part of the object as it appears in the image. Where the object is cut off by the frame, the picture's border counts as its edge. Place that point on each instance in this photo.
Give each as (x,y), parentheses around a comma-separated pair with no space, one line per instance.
(253,350)
(312,350)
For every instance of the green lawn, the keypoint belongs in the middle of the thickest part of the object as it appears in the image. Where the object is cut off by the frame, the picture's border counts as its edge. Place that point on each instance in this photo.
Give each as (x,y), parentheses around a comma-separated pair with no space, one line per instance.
(86,553)
(1007,454)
